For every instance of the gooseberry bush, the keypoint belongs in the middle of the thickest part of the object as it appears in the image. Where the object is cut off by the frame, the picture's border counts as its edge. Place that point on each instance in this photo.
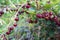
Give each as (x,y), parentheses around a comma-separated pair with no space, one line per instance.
(29,19)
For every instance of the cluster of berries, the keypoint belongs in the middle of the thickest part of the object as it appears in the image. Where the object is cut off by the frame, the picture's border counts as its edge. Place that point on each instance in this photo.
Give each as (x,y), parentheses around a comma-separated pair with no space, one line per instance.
(49,16)
(12,27)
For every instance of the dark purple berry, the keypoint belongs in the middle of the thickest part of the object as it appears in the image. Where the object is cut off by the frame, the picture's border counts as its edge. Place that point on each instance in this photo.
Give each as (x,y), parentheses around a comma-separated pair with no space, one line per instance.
(50,18)
(55,18)
(8,33)
(23,6)
(16,19)
(43,15)
(30,21)
(10,28)
(58,23)
(14,24)
(46,15)
(39,15)
(20,12)
(27,6)
(1,13)
(35,21)
(50,13)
